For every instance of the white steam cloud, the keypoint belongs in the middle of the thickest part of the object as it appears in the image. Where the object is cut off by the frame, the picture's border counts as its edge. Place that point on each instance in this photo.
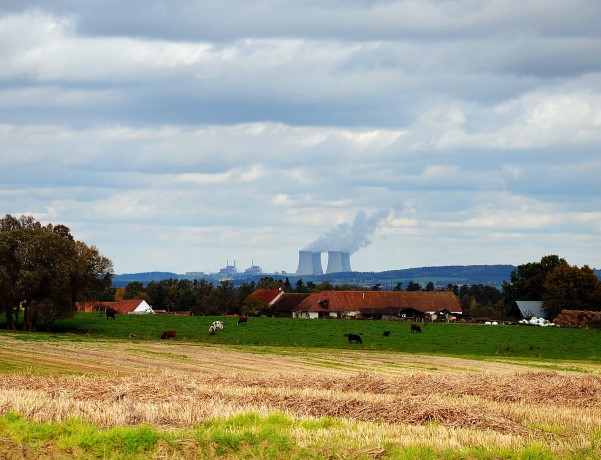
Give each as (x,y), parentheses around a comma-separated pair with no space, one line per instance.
(349,237)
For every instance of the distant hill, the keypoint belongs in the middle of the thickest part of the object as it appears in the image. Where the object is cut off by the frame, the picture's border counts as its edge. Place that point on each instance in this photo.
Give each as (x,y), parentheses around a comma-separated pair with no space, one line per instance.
(493,275)
(144,278)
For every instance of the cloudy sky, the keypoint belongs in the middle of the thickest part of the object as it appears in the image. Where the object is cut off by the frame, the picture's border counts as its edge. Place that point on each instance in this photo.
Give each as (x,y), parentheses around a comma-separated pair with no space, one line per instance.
(180,135)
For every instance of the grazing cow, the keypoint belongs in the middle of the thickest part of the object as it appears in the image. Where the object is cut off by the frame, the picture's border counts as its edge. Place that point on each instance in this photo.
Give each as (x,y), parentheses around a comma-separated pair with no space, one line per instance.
(354,338)
(217,325)
(386,333)
(416,328)
(242,320)
(110,313)
(212,329)
(168,335)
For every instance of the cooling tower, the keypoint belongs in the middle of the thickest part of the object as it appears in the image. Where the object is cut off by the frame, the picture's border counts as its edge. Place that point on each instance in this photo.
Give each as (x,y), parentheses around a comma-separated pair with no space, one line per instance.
(334,262)
(317,270)
(346,262)
(309,263)
(305,263)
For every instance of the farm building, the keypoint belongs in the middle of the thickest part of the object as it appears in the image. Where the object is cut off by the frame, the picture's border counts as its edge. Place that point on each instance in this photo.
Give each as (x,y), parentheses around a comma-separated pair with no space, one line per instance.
(286,305)
(283,303)
(123,307)
(415,305)
(394,305)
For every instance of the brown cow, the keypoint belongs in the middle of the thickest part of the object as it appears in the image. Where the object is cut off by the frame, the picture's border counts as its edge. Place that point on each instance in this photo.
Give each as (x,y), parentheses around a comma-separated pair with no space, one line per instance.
(168,335)
(416,328)
(242,320)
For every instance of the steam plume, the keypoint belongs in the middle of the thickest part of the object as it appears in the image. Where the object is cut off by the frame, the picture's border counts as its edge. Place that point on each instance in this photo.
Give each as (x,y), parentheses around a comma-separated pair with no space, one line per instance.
(349,237)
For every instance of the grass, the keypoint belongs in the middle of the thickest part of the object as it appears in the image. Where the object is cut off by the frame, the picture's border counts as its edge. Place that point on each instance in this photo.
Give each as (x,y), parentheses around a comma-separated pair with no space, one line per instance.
(275,436)
(462,340)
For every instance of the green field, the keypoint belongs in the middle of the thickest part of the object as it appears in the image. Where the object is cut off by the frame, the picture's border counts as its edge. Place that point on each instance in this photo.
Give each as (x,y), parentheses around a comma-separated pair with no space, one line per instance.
(463,340)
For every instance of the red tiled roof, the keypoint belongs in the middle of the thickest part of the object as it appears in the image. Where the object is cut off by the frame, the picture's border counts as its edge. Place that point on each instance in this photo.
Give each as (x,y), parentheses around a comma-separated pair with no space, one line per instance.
(122,306)
(268,296)
(374,300)
(289,301)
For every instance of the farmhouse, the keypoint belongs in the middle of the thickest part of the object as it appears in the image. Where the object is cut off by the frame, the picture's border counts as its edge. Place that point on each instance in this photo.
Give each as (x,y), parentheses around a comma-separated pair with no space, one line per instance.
(415,305)
(123,307)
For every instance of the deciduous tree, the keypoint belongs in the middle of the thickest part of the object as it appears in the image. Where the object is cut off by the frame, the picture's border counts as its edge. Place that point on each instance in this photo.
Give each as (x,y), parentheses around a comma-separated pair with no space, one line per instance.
(569,287)
(44,271)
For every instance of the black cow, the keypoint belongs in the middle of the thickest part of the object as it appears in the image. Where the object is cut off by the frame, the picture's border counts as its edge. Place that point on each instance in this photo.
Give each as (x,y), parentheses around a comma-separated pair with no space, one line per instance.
(354,338)
(110,313)
(416,328)
(386,333)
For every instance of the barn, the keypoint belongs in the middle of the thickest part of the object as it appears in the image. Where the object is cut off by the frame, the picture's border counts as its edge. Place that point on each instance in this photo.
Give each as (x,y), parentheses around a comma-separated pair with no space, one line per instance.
(399,305)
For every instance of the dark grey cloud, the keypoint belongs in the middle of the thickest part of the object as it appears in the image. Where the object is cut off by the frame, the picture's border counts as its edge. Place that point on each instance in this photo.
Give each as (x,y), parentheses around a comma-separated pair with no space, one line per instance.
(355,21)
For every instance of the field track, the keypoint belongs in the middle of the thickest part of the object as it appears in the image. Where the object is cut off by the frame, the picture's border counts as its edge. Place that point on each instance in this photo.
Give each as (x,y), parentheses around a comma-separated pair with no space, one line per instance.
(441,401)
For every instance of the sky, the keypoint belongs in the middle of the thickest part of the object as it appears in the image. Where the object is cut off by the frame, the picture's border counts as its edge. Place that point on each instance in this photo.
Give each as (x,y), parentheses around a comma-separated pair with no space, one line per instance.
(184,135)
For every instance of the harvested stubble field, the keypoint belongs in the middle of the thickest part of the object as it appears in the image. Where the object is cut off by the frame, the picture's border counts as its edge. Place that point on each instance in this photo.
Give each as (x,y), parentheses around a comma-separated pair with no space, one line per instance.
(375,404)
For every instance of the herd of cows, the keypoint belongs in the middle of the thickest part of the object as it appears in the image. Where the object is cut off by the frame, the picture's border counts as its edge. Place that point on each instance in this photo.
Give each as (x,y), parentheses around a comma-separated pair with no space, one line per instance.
(243,320)
(356,338)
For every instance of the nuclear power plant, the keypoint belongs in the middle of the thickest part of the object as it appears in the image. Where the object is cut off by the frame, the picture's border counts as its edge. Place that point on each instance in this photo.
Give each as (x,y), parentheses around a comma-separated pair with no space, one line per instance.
(339,242)
(309,262)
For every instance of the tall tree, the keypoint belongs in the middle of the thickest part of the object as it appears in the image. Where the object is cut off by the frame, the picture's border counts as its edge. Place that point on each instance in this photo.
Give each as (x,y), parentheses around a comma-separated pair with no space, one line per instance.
(571,288)
(528,280)
(44,271)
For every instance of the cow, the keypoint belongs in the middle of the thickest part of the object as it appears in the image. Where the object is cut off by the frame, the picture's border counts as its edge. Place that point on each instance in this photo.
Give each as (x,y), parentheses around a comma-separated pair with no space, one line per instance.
(217,325)
(416,328)
(168,335)
(354,338)
(386,333)
(242,320)
(110,313)
(212,329)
